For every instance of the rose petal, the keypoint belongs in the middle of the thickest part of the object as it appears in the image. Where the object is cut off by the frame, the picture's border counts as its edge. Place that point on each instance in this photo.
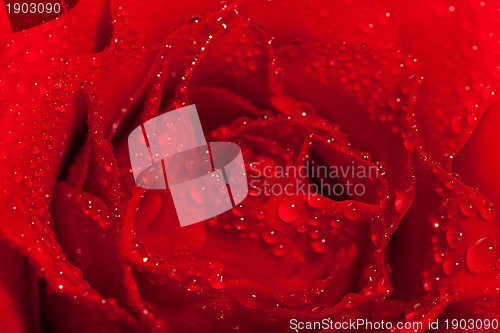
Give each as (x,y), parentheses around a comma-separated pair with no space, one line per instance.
(446,249)
(458,43)
(357,22)
(63,314)
(477,163)
(17,295)
(370,94)
(151,22)
(237,60)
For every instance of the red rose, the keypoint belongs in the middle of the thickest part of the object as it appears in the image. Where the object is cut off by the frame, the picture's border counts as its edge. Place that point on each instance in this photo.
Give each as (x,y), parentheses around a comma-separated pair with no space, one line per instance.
(392,90)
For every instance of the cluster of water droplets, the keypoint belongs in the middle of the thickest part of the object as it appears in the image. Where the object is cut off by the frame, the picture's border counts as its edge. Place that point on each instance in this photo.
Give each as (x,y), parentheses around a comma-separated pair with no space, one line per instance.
(463,241)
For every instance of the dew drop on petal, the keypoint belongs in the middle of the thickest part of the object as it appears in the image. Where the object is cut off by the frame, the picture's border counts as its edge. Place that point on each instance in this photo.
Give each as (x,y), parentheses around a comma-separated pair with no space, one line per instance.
(192,285)
(486,210)
(416,310)
(455,236)
(403,200)
(29,55)
(481,255)
(15,205)
(270,237)
(313,221)
(3,151)
(301,229)
(384,286)
(314,200)
(351,211)
(198,194)
(467,209)
(9,48)
(10,69)
(279,250)
(288,210)
(21,142)
(451,264)
(36,224)
(217,278)
(252,298)
(410,141)
(15,174)
(319,246)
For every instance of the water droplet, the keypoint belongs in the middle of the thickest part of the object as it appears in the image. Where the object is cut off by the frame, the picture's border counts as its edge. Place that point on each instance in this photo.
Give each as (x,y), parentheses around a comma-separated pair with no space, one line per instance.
(416,310)
(288,209)
(21,142)
(430,280)
(29,55)
(395,103)
(451,264)
(486,210)
(9,48)
(279,250)
(237,211)
(252,298)
(403,200)
(16,174)
(481,255)
(470,50)
(270,237)
(3,151)
(28,181)
(351,211)
(15,205)
(407,84)
(217,278)
(198,194)
(192,285)
(19,87)
(488,92)
(455,236)
(467,209)
(313,221)
(108,166)
(410,141)
(36,224)
(366,27)
(243,38)
(37,86)
(314,200)
(10,69)
(252,65)
(35,149)
(279,73)
(384,286)
(319,246)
